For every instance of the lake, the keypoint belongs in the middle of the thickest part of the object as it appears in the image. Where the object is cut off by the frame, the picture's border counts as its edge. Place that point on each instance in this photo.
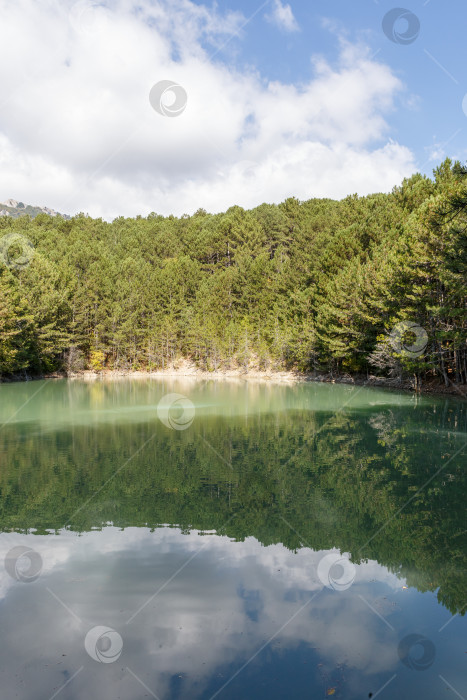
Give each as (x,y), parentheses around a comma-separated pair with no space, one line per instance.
(203,539)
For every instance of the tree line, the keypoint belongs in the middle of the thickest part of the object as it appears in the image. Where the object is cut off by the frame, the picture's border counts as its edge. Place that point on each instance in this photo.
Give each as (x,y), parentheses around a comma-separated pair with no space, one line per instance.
(374,284)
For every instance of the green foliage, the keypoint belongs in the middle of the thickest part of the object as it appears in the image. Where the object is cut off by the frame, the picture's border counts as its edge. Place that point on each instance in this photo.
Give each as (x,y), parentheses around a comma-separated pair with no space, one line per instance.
(349,479)
(314,285)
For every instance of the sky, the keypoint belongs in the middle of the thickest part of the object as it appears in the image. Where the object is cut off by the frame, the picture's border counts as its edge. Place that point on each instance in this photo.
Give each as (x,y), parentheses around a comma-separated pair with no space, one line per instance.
(120,108)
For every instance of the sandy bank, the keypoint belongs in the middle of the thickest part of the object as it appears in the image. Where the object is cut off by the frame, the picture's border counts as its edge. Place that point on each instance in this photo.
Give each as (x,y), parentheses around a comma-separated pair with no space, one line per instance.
(189,369)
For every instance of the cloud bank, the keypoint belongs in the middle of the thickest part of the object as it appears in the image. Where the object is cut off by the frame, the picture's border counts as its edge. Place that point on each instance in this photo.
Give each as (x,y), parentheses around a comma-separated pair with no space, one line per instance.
(78,133)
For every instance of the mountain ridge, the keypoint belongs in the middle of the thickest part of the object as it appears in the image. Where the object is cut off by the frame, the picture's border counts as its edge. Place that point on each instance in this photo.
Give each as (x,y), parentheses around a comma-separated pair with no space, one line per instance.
(15,209)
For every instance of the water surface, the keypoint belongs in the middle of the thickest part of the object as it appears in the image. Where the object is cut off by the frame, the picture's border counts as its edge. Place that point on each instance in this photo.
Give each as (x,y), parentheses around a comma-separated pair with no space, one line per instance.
(254,541)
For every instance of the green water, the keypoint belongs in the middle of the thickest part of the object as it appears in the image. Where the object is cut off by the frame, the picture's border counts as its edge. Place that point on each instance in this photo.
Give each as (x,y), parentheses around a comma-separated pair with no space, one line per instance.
(251,541)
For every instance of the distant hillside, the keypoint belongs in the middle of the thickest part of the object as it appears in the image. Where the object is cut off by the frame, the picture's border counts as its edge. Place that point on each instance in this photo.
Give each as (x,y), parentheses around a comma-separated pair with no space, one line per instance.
(15,209)
(363,286)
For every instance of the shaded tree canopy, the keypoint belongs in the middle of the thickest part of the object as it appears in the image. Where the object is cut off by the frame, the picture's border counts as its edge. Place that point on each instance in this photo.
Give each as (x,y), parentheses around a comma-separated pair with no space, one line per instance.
(318,284)
(337,478)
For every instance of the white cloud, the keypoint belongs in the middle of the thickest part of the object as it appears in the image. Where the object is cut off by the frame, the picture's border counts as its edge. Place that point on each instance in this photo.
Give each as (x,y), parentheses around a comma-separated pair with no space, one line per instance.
(283,17)
(191,624)
(77,132)
(436,152)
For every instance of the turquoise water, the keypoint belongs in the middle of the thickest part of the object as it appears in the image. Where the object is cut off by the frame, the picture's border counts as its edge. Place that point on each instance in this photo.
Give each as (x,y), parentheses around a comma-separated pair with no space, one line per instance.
(236,540)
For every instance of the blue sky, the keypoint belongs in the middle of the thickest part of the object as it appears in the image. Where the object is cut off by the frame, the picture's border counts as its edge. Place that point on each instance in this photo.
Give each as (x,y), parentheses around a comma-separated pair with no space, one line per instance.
(429,118)
(123,107)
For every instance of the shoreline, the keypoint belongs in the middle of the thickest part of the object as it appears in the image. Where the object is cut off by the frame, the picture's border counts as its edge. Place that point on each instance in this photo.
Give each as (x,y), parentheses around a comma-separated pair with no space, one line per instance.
(189,370)
(278,377)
